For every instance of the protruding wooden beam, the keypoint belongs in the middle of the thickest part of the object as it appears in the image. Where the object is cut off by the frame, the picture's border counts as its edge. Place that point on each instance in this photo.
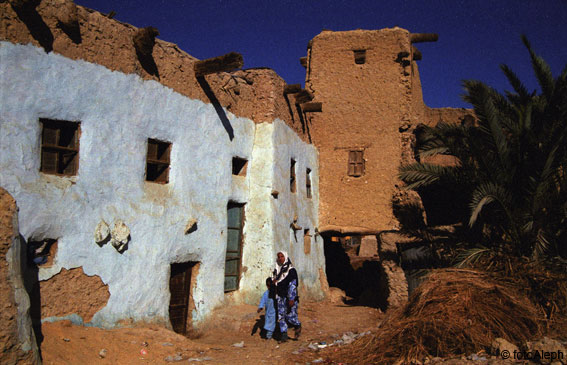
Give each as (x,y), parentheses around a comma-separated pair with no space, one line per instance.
(416,53)
(423,37)
(304,96)
(67,15)
(303,61)
(145,39)
(225,63)
(312,107)
(292,89)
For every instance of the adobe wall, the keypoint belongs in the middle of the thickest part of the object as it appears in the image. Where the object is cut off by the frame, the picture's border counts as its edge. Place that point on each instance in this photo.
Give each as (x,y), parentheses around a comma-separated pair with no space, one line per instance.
(364,107)
(255,93)
(110,190)
(447,115)
(17,339)
(374,107)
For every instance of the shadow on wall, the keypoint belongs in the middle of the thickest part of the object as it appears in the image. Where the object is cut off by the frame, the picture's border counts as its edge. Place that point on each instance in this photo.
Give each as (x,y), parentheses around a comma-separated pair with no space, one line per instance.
(30,273)
(362,279)
(218,107)
(30,17)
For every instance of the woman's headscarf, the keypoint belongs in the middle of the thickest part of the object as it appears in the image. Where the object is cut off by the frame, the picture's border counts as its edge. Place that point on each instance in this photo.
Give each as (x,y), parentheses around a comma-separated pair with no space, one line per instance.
(281,271)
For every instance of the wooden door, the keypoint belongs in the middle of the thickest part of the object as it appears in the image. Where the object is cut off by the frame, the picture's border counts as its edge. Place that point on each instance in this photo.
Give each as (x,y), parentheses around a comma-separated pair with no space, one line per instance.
(180,289)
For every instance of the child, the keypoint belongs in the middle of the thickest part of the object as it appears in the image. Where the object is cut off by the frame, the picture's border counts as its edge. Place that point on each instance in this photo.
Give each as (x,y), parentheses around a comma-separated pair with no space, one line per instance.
(267,302)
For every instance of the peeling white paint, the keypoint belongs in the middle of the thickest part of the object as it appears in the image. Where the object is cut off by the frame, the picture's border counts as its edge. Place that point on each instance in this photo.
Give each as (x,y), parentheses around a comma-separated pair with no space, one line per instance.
(118,113)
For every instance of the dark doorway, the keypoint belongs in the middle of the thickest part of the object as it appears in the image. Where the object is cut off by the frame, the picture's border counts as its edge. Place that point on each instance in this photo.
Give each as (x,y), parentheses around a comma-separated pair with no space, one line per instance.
(180,284)
(362,278)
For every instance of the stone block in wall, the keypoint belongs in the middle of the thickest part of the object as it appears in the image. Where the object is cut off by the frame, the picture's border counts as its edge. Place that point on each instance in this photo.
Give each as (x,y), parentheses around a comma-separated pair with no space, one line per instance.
(368,246)
(397,284)
(17,339)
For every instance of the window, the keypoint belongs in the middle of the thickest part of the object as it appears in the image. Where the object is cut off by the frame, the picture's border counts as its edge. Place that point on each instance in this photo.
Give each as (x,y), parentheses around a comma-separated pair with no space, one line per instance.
(359,56)
(59,147)
(308,183)
(306,241)
(239,166)
(43,252)
(235,222)
(157,161)
(292,187)
(355,163)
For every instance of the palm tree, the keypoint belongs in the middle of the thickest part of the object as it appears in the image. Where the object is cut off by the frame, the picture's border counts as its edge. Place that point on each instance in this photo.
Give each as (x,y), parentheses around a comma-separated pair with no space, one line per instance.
(511,164)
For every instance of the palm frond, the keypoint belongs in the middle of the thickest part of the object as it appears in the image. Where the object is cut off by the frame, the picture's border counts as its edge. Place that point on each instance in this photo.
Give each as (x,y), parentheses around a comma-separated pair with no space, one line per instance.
(471,256)
(485,194)
(541,70)
(418,175)
(516,84)
(541,245)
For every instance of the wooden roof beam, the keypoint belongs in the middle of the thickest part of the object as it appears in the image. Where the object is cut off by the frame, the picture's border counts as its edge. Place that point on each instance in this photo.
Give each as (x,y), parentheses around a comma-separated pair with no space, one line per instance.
(226,63)
(145,39)
(312,107)
(423,37)
(304,96)
(303,61)
(292,89)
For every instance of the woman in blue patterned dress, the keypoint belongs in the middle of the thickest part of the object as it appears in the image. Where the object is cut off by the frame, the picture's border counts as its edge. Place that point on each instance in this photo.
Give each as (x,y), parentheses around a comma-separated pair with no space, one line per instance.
(286,281)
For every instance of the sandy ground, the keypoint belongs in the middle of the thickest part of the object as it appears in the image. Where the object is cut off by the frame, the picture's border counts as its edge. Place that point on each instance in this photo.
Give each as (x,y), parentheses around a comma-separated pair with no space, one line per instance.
(227,339)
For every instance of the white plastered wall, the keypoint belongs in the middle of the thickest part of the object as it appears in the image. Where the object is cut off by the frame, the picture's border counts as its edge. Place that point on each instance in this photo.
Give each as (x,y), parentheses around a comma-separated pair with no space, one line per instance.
(118,113)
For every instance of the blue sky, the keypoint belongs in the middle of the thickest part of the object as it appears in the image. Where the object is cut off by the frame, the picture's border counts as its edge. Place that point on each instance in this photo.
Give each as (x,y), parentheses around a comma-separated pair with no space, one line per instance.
(475,36)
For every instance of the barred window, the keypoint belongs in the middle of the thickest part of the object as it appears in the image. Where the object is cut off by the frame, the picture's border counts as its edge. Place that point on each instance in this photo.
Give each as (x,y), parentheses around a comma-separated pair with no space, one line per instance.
(157,161)
(59,147)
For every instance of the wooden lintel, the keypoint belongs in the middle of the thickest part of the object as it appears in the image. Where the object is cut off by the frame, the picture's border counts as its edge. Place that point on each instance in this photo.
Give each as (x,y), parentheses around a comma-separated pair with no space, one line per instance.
(303,61)
(292,89)
(145,39)
(416,53)
(225,63)
(312,107)
(423,37)
(304,96)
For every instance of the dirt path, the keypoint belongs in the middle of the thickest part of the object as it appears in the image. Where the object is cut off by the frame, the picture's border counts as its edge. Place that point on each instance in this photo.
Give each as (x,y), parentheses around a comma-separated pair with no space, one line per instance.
(227,339)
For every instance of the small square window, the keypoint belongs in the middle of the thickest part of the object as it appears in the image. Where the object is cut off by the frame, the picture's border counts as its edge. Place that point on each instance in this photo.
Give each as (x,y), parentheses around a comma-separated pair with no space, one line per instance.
(239,166)
(359,56)
(59,147)
(292,186)
(355,163)
(157,161)
(308,183)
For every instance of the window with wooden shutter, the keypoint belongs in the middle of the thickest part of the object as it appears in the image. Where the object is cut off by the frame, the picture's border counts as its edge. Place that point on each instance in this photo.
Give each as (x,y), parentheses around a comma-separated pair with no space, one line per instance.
(308,183)
(59,147)
(233,261)
(157,161)
(292,185)
(355,163)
